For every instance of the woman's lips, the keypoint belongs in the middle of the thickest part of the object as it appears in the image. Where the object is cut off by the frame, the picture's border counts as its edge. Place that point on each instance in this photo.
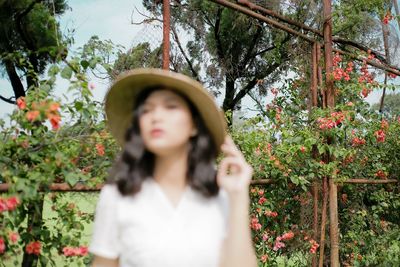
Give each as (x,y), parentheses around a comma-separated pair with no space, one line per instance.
(156,132)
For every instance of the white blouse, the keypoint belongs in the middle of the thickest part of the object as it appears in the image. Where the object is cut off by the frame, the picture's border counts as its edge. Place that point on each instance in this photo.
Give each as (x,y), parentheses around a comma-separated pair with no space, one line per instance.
(146,230)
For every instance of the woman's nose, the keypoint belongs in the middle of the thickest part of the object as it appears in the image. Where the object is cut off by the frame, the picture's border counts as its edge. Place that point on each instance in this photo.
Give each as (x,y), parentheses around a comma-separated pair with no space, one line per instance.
(157,114)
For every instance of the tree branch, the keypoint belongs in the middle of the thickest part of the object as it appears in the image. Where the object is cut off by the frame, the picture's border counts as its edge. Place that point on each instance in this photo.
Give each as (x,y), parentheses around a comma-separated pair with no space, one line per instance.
(8,100)
(194,72)
(247,57)
(216,35)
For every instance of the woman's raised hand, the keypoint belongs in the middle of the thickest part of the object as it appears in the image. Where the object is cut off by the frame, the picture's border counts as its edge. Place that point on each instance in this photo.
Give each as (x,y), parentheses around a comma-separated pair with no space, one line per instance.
(234,173)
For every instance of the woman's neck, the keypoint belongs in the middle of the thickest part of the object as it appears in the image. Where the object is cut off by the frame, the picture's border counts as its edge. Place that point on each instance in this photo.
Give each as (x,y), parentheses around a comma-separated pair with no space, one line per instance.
(170,170)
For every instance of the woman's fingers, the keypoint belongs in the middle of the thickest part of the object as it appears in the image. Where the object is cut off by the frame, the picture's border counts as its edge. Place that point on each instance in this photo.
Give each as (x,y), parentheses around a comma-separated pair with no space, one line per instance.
(233,166)
(230,149)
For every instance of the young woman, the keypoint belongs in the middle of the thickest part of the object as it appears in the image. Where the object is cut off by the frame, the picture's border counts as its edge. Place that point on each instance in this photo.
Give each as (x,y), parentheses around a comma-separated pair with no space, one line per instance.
(166,203)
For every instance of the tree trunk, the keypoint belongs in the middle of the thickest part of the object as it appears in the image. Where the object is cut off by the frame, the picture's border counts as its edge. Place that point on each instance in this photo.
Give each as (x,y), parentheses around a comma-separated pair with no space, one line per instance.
(16,83)
(228,103)
(35,221)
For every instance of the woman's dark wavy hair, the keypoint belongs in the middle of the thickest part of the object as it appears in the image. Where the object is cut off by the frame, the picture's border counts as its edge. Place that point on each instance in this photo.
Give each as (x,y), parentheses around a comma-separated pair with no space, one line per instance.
(136,163)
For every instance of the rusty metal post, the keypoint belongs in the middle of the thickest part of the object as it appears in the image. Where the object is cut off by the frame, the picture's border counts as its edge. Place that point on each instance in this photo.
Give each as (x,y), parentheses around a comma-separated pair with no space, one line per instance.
(314,76)
(314,103)
(330,99)
(166,34)
(385,33)
(320,80)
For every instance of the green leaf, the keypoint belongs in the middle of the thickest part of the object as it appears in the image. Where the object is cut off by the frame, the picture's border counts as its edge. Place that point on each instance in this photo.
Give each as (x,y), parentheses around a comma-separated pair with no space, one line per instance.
(72,178)
(66,73)
(85,64)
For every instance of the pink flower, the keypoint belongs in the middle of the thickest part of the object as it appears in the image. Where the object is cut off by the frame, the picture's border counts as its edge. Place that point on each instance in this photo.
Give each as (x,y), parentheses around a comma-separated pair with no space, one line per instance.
(13,237)
(255,224)
(262,200)
(8,204)
(12,203)
(68,251)
(278,245)
(302,149)
(264,258)
(92,86)
(265,237)
(269,213)
(83,250)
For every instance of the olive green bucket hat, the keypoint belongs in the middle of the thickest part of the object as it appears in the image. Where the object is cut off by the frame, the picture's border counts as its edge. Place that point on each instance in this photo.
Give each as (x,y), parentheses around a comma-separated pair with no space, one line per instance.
(121,97)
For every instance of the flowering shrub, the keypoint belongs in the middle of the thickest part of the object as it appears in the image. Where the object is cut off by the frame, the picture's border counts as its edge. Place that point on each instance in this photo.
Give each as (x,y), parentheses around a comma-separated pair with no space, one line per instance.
(288,147)
(50,140)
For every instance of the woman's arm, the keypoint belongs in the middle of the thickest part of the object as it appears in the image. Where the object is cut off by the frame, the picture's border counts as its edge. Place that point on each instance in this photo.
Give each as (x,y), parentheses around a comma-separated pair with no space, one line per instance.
(104,262)
(234,176)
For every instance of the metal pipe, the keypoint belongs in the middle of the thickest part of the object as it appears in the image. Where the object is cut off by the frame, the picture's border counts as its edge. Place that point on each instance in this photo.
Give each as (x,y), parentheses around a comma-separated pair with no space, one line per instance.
(166,34)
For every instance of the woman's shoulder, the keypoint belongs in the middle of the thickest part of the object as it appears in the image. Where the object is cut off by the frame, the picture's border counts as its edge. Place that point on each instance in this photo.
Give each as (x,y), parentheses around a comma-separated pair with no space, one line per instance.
(110,192)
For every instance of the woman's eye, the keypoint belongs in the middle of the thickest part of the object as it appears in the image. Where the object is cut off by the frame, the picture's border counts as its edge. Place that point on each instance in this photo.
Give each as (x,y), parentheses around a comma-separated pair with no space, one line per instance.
(171,106)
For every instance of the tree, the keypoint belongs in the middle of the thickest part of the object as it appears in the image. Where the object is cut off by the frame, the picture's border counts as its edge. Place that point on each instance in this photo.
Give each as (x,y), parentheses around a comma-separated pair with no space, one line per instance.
(243,56)
(391,105)
(30,39)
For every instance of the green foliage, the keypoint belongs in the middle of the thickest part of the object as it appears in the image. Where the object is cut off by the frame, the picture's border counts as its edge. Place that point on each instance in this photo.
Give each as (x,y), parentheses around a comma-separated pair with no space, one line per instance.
(50,141)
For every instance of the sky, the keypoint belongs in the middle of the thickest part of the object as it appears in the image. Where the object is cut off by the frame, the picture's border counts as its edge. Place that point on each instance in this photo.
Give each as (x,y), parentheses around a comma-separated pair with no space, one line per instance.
(109,20)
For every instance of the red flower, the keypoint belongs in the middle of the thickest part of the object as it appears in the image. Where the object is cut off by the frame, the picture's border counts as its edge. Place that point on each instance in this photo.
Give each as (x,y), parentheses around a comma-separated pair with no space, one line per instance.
(2,246)
(336,59)
(365,92)
(380,136)
(100,149)
(54,107)
(381,174)
(302,149)
(32,115)
(287,236)
(34,247)
(314,246)
(357,141)
(21,102)
(54,120)
(387,18)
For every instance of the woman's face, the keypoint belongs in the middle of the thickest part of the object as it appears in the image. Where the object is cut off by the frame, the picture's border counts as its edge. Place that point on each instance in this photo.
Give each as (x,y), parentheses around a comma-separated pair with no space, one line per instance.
(166,123)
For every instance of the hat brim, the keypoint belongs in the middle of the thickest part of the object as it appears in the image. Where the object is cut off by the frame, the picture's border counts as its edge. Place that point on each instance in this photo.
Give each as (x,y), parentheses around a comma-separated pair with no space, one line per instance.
(121,97)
